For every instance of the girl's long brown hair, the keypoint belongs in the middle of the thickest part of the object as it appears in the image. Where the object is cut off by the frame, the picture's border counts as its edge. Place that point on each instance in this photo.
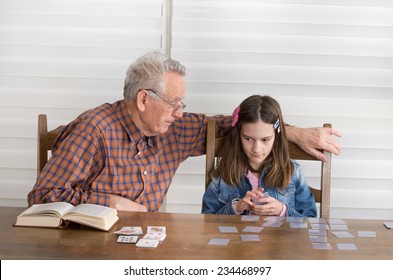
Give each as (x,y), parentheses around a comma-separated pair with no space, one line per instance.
(233,162)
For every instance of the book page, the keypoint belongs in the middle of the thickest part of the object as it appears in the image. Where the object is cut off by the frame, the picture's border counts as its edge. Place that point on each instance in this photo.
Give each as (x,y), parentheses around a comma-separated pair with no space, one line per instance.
(93,210)
(58,208)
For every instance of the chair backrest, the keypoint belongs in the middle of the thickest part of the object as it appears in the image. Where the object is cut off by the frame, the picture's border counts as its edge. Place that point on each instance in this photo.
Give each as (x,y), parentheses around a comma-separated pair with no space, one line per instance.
(45,141)
(321,194)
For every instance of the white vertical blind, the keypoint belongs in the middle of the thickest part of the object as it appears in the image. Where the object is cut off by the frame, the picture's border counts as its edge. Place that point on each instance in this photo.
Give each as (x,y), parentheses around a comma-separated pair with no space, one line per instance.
(61,57)
(324,61)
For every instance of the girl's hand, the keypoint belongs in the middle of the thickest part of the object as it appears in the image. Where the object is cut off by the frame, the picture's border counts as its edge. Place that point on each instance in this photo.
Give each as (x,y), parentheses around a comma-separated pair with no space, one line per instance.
(272,207)
(247,201)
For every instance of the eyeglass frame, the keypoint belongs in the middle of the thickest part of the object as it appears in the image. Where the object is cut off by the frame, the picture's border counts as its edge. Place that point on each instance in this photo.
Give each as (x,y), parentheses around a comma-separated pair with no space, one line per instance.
(175,108)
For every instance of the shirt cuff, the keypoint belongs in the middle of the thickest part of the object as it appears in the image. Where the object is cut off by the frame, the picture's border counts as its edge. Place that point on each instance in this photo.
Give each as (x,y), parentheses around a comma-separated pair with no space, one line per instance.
(284,210)
(233,208)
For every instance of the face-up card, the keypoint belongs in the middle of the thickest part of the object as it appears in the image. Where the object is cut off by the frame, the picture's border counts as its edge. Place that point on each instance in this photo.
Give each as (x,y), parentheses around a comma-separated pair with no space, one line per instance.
(147,243)
(155,236)
(250,237)
(274,218)
(342,234)
(298,225)
(127,239)
(227,229)
(250,218)
(317,238)
(367,234)
(321,232)
(321,246)
(156,229)
(347,246)
(219,241)
(252,229)
(130,231)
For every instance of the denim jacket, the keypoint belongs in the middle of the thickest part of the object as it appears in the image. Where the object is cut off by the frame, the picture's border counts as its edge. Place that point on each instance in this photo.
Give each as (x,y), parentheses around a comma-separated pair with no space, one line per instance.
(297,196)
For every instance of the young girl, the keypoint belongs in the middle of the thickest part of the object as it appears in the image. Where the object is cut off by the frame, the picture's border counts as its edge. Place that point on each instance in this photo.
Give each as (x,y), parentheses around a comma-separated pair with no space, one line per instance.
(255,174)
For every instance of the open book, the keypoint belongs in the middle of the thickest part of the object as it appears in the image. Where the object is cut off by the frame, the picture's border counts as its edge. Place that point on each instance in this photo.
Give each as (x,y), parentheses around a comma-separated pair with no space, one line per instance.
(60,214)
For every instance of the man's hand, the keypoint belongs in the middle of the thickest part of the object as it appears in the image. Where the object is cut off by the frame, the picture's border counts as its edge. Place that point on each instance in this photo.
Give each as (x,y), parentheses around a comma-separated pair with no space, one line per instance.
(312,139)
(124,204)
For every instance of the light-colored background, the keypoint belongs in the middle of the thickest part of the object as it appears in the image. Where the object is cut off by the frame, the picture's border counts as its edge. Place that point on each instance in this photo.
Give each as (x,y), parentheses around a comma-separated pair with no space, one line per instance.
(324,60)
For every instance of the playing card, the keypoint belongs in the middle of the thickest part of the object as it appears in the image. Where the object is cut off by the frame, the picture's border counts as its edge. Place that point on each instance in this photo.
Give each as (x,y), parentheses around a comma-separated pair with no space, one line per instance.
(294,219)
(274,218)
(319,226)
(252,229)
(127,239)
(155,236)
(256,202)
(367,234)
(342,234)
(338,227)
(227,229)
(347,246)
(272,223)
(317,239)
(250,218)
(316,220)
(156,229)
(250,237)
(388,225)
(321,232)
(129,231)
(219,241)
(147,243)
(298,225)
(321,246)
(336,222)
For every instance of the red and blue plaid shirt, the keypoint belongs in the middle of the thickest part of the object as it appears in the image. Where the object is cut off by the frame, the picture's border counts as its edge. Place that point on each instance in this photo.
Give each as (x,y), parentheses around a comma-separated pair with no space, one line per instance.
(102,152)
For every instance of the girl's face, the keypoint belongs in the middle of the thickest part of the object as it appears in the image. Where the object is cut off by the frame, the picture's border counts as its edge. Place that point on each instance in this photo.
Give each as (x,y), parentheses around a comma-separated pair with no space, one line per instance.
(257,141)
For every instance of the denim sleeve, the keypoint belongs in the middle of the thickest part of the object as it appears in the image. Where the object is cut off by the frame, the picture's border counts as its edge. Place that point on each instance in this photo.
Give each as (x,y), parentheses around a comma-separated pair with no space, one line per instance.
(304,199)
(215,202)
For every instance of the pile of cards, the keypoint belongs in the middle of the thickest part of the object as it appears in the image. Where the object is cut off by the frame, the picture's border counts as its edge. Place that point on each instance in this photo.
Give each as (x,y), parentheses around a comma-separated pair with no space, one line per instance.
(151,239)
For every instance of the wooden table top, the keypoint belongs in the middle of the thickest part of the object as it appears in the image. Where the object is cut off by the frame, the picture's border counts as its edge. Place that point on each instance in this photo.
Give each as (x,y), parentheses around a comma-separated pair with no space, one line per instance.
(187,238)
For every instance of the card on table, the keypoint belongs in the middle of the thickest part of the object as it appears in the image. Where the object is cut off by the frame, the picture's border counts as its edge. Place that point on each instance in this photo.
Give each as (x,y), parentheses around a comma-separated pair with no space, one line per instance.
(272,223)
(127,239)
(250,218)
(336,222)
(347,246)
(321,246)
(388,225)
(367,234)
(147,243)
(316,220)
(319,226)
(129,231)
(156,229)
(227,229)
(219,241)
(298,225)
(317,238)
(338,227)
(252,229)
(294,219)
(154,235)
(321,232)
(250,237)
(342,234)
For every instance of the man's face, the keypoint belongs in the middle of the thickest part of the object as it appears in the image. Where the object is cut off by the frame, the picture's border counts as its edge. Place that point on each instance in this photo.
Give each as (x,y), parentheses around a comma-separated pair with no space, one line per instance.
(159,115)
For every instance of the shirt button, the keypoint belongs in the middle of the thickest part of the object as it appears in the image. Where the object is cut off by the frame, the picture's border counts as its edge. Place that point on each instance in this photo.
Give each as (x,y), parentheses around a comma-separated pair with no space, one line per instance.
(144,172)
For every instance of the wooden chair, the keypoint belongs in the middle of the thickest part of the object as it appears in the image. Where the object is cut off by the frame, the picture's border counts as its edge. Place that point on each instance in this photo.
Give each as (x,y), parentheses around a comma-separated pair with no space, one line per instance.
(322,194)
(45,141)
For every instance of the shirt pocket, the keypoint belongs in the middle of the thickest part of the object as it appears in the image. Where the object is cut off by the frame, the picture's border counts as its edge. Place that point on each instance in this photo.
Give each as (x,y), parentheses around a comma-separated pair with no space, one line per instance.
(226,198)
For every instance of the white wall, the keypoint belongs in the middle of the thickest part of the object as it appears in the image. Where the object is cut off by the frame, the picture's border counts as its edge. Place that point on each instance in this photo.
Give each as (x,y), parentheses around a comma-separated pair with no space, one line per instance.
(325,61)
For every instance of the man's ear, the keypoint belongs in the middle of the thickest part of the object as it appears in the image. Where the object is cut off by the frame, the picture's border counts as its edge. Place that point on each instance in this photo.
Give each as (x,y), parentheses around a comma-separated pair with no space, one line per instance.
(141,99)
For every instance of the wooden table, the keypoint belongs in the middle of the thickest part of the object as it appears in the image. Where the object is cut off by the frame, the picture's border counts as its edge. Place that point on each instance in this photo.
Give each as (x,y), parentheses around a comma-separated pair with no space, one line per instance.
(187,238)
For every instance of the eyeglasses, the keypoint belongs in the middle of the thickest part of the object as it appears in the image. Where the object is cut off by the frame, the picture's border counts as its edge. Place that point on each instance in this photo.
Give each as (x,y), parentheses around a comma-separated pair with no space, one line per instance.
(175,107)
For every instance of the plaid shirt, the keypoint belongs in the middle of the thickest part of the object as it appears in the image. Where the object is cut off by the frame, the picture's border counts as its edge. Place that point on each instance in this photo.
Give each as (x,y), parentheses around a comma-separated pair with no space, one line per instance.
(102,152)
